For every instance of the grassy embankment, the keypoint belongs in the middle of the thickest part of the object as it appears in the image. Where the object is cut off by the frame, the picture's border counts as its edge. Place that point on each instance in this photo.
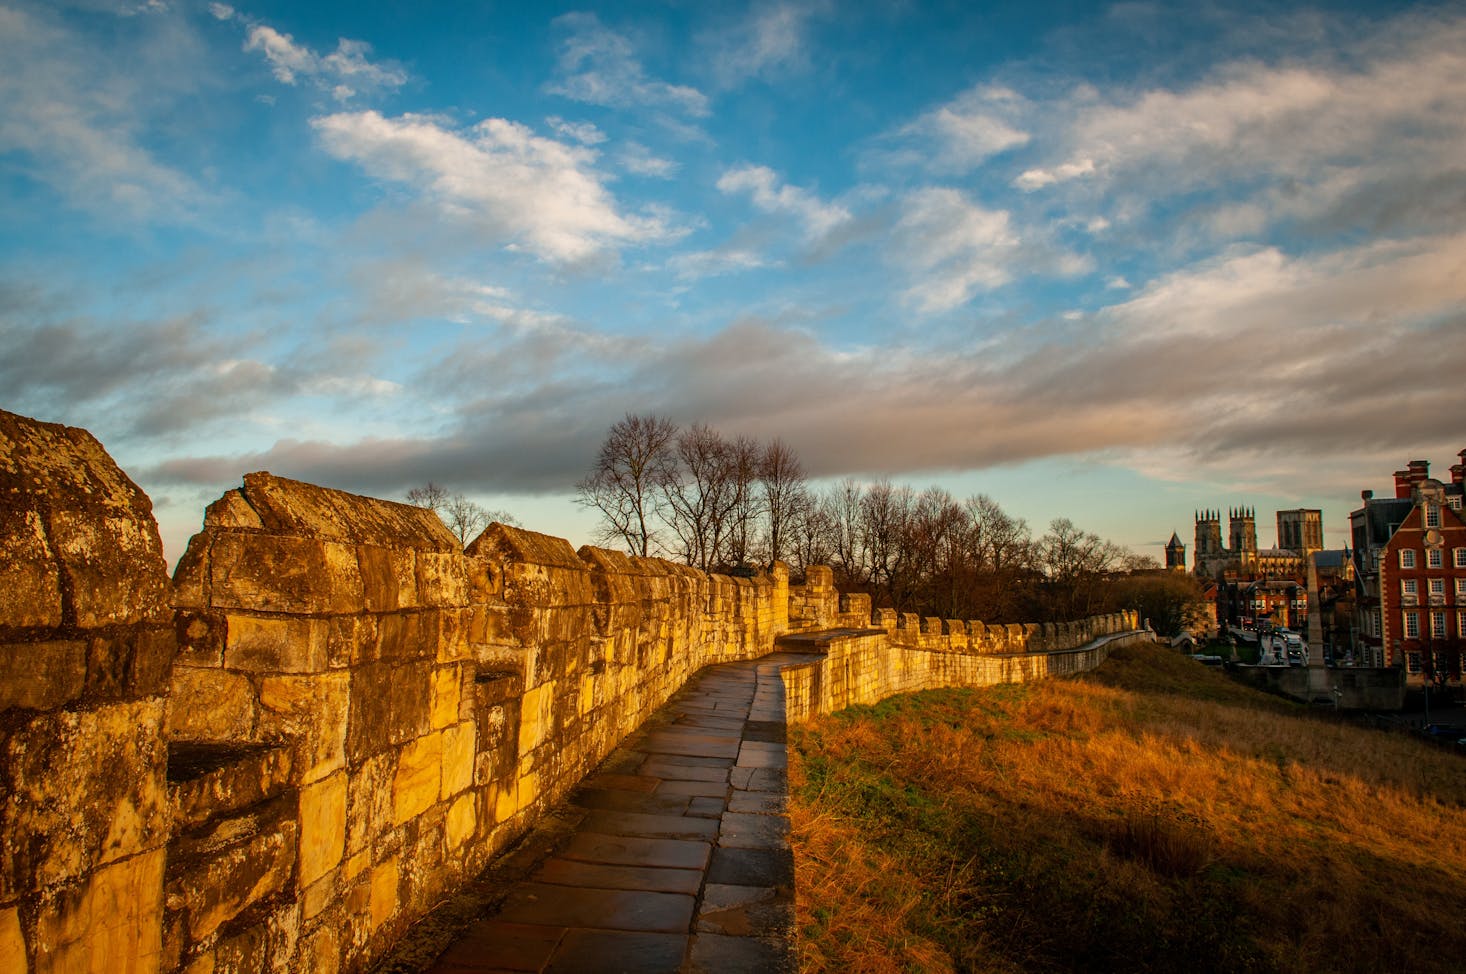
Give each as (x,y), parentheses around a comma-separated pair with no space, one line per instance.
(1150,816)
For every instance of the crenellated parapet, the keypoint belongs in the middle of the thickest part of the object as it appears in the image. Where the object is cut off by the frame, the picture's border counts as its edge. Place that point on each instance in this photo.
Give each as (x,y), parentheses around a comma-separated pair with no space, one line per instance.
(867,667)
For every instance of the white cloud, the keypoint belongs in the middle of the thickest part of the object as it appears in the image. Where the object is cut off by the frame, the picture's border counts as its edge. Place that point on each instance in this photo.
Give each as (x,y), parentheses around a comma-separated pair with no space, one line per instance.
(599,67)
(343,73)
(713,263)
(955,249)
(1373,138)
(637,159)
(77,116)
(1032,179)
(585,133)
(771,195)
(771,40)
(519,188)
(975,126)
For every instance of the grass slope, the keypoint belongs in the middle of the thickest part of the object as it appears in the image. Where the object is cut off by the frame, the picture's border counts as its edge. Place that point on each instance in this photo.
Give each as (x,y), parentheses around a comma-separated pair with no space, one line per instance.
(1150,816)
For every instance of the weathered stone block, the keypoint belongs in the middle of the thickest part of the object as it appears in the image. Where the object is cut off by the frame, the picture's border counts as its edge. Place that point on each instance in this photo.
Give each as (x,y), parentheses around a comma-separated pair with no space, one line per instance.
(461,821)
(113,566)
(442,579)
(320,951)
(311,711)
(418,782)
(459,748)
(385,881)
(389,705)
(407,635)
(12,943)
(455,627)
(322,827)
(232,510)
(388,578)
(111,922)
(536,717)
(369,802)
(211,705)
(85,788)
(264,644)
(97,525)
(213,889)
(209,780)
(200,637)
(447,695)
(271,573)
(42,675)
(30,582)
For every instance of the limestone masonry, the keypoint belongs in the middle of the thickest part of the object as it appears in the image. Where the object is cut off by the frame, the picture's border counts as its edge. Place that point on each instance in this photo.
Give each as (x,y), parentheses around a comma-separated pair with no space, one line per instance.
(332,715)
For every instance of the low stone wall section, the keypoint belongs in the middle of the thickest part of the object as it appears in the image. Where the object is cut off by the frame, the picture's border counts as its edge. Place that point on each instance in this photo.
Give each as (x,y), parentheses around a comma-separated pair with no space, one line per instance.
(867,668)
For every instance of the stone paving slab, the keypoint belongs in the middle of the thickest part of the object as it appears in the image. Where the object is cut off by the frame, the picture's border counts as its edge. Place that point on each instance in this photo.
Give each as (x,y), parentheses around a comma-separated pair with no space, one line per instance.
(672,802)
(649,826)
(611,952)
(623,850)
(666,770)
(571,872)
(547,905)
(680,857)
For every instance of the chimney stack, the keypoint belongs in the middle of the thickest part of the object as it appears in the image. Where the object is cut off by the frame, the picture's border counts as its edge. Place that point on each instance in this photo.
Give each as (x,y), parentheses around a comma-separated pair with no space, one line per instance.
(1402,484)
(1366,496)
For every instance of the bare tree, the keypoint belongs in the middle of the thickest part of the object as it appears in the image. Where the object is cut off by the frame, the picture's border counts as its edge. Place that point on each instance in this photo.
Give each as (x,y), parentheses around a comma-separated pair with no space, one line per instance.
(784,494)
(745,503)
(699,495)
(464,517)
(811,532)
(633,465)
(843,505)
(428,495)
(1073,561)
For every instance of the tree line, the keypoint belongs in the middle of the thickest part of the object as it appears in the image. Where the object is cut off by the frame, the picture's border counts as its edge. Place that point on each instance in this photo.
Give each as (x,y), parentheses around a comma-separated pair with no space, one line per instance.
(722,503)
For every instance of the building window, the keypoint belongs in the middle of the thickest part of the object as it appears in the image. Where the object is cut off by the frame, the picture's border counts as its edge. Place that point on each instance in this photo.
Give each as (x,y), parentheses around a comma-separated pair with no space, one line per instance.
(1412,660)
(1407,557)
(1373,624)
(1460,589)
(1438,586)
(1432,516)
(1460,557)
(1412,625)
(1437,625)
(1435,558)
(1461,624)
(1407,586)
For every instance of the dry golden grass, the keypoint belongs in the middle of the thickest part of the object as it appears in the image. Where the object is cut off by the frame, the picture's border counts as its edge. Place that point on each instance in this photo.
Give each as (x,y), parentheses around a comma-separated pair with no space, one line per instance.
(1152,816)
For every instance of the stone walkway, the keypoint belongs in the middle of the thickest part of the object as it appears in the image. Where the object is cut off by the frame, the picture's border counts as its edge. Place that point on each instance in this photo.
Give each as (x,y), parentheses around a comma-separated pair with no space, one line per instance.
(680,860)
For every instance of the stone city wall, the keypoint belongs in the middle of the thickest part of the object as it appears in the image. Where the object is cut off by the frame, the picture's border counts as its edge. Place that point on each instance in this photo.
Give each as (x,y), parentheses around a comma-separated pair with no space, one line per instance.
(333,715)
(868,667)
(86,639)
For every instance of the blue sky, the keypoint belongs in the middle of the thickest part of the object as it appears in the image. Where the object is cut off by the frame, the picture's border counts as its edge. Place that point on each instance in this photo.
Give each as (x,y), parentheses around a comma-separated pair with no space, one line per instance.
(1107,262)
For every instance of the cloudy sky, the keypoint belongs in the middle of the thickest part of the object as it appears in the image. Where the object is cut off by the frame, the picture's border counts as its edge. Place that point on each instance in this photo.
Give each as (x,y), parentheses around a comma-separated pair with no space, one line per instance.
(1113,263)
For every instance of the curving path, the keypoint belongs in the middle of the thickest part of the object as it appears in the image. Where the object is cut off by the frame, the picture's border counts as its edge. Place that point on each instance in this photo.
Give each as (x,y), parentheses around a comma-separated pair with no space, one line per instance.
(676,856)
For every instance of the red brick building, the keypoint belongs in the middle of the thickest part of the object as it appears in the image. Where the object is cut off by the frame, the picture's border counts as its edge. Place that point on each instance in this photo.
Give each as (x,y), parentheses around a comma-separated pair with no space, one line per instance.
(1410,555)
